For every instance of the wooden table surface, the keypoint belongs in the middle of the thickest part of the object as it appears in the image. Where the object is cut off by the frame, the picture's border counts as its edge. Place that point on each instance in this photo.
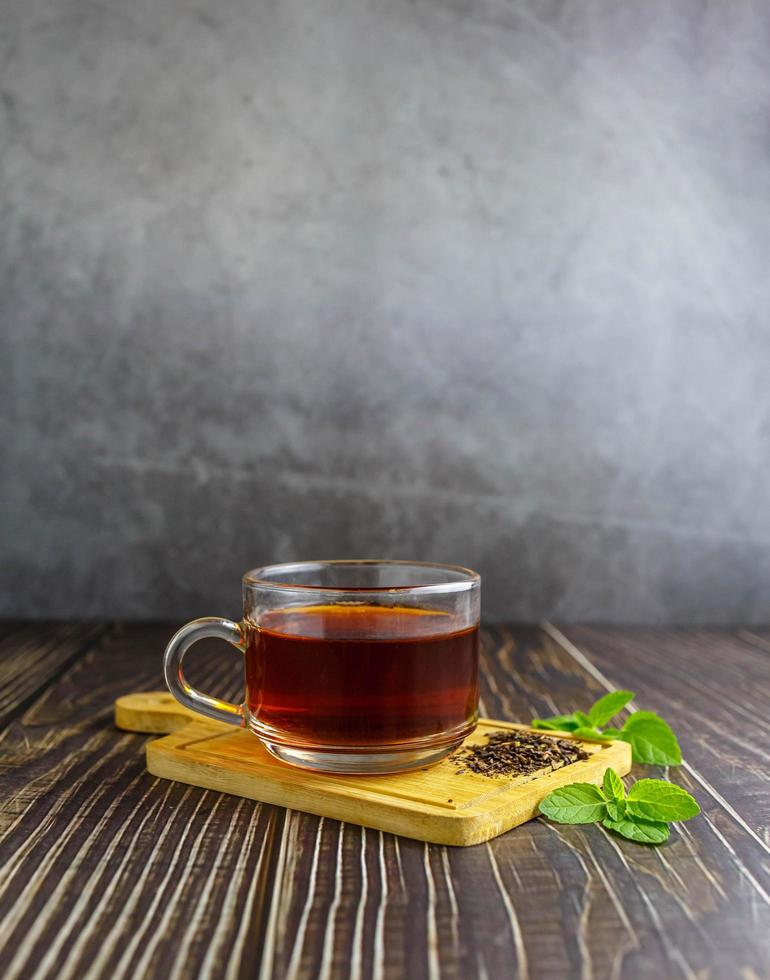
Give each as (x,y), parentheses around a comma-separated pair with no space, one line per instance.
(110,872)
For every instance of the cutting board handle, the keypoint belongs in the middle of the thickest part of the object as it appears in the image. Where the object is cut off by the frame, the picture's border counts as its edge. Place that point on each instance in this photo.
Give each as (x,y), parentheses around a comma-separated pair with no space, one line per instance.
(151,712)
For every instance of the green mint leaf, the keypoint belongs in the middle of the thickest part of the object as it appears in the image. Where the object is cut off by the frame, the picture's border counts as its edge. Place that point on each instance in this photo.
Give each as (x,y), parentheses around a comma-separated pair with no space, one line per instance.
(590,735)
(608,706)
(612,732)
(641,831)
(612,787)
(656,799)
(616,809)
(652,741)
(576,803)
(583,720)
(559,723)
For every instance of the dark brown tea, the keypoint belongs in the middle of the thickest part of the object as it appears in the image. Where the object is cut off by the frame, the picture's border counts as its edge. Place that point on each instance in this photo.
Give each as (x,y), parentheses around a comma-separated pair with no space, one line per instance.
(357,675)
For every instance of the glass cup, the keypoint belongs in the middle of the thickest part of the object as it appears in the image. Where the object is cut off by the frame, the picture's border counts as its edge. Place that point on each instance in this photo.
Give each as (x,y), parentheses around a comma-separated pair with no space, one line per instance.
(351,666)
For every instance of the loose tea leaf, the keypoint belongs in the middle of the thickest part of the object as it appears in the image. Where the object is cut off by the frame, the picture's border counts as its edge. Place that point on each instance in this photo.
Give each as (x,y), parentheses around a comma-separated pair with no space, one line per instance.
(515,753)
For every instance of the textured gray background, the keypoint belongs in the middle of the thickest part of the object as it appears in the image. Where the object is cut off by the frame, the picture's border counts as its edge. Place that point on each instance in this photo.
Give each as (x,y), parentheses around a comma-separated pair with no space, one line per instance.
(484,282)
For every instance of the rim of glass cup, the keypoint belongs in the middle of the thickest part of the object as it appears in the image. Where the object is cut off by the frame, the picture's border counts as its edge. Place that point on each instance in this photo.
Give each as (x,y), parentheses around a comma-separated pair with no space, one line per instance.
(255,577)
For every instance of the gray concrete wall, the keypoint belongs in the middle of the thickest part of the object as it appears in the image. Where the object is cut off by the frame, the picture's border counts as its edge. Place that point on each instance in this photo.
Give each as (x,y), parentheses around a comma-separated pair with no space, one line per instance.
(484,282)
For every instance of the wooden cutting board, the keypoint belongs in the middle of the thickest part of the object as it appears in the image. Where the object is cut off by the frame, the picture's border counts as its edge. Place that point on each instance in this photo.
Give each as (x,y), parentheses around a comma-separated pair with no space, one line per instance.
(436,804)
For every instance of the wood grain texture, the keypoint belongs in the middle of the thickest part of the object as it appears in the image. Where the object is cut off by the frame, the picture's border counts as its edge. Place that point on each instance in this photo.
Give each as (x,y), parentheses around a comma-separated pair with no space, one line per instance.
(31,655)
(438,804)
(108,872)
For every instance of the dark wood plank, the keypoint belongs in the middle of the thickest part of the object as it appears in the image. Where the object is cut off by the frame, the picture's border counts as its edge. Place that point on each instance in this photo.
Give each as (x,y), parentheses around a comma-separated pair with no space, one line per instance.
(107,871)
(542,901)
(33,656)
(756,635)
(110,872)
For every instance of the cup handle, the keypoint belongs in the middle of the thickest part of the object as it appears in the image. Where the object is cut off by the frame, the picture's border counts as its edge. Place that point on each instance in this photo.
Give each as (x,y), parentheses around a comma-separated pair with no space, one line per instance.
(183,691)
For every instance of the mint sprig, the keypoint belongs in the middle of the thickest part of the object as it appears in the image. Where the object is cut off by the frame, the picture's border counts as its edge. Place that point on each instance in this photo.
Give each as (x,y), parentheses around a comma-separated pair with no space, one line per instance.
(651,739)
(607,707)
(612,786)
(642,815)
(656,799)
(642,831)
(576,803)
(559,723)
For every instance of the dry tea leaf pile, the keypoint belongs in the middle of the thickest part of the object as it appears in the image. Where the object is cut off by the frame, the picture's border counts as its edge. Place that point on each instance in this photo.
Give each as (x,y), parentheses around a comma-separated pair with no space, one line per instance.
(517,754)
